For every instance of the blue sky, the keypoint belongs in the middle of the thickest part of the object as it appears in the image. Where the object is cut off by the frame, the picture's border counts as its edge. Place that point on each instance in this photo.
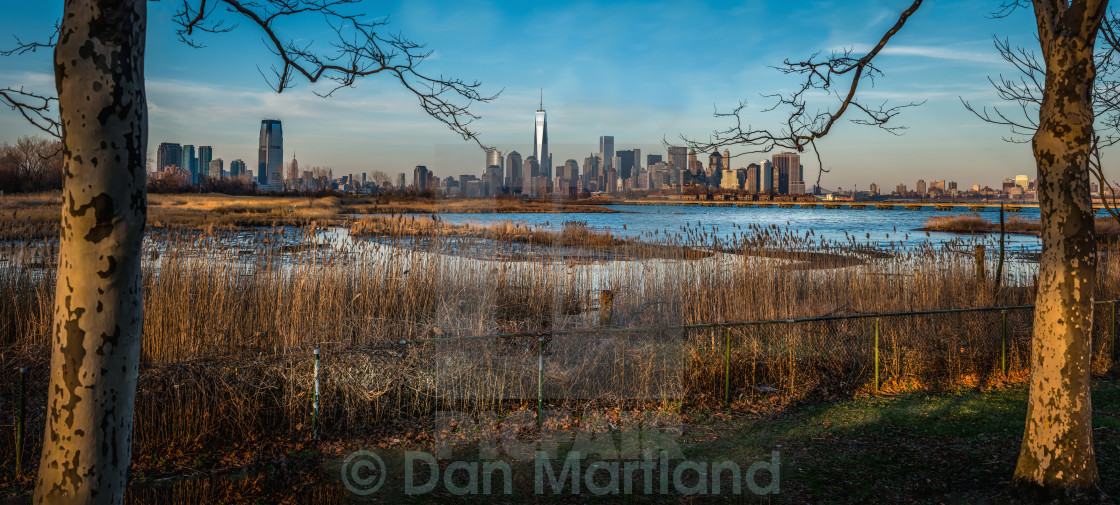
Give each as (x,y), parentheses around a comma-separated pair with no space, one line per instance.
(639,71)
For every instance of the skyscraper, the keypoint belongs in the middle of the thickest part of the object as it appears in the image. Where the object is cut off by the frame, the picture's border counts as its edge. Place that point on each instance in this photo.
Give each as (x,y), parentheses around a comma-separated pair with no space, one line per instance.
(540,141)
(293,171)
(420,178)
(215,168)
(270,155)
(205,156)
(626,166)
(678,161)
(529,171)
(788,167)
(170,154)
(571,171)
(591,169)
(237,168)
(767,176)
(606,146)
(615,175)
(515,174)
(190,162)
(494,158)
(754,178)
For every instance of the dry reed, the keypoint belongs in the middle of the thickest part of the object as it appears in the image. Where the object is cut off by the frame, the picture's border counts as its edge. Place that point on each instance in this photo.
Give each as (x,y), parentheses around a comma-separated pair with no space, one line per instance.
(231,319)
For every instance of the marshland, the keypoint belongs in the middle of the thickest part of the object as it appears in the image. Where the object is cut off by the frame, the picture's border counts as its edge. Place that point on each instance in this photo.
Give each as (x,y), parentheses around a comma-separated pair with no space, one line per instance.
(239,292)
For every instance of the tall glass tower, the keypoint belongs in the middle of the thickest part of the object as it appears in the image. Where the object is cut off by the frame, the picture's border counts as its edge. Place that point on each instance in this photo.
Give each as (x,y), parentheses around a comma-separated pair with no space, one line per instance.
(205,156)
(270,156)
(606,146)
(190,162)
(540,141)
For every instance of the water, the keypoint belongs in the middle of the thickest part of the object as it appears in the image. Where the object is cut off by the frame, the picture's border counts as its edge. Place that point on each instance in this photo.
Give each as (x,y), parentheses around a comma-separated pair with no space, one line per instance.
(881,228)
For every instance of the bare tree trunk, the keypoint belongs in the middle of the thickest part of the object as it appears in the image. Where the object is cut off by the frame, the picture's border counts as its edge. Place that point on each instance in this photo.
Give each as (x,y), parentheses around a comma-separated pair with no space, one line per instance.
(98,315)
(1056,460)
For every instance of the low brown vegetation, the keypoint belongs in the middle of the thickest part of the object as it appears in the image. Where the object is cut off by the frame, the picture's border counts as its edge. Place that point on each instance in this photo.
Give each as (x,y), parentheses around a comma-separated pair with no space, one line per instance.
(505,205)
(572,237)
(231,319)
(36,216)
(973,223)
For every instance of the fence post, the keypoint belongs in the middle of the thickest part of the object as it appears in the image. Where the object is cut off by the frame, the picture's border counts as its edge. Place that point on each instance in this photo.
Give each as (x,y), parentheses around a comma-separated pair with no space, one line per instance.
(540,379)
(606,307)
(1112,333)
(20,417)
(981,273)
(315,401)
(1003,343)
(727,371)
(876,354)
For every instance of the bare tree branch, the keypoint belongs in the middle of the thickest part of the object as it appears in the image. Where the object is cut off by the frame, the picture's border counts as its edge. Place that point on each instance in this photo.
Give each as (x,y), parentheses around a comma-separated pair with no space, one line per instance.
(37,109)
(22,47)
(360,49)
(1026,91)
(838,76)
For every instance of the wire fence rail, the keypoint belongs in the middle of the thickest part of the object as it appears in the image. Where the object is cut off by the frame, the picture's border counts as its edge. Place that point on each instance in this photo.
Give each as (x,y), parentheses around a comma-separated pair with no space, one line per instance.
(881,354)
(338,388)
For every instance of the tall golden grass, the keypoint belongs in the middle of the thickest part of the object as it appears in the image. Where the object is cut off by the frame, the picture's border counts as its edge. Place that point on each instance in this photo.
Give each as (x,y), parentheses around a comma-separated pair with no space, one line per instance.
(1105,226)
(231,319)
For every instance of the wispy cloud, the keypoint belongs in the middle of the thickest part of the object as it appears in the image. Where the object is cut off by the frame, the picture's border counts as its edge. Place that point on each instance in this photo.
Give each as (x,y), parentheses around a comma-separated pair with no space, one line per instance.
(935,52)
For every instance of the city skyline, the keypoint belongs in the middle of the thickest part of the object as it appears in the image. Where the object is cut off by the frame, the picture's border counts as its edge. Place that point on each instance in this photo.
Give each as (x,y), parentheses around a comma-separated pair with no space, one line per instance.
(665,93)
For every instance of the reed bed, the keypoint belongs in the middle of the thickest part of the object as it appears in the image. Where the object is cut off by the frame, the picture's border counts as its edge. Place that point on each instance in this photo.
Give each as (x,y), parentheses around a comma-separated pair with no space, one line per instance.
(973,223)
(231,319)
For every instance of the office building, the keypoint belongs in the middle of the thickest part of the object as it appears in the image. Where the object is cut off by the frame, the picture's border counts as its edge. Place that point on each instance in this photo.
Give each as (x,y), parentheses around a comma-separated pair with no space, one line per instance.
(270,155)
(591,171)
(215,168)
(420,176)
(787,166)
(625,166)
(606,148)
(570,170)
(540,141)
(169,154)
(190,162)
(514,174)
(237,168)
(754,178)
(494,158)
(205,156)
(529,170)
(729,179)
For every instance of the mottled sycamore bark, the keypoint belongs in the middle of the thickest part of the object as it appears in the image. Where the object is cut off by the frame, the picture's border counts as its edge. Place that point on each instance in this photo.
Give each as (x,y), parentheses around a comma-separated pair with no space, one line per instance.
(99,74)
(1056,461)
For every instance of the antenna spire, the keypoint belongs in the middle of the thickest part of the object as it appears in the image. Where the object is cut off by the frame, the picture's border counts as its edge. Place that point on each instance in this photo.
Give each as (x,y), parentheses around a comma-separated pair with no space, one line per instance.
(542,99)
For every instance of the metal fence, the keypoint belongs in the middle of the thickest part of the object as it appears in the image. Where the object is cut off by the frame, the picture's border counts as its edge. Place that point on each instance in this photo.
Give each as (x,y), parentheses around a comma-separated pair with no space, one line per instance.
(729,361)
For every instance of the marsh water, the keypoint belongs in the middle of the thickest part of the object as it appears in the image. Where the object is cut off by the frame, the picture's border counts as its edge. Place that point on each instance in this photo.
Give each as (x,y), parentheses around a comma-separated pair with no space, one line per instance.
(880,228)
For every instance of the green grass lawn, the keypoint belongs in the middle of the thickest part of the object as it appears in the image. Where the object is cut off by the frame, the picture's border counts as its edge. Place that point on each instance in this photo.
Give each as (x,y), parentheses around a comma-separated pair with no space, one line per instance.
(957,447)
(918,448)
(953,447)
